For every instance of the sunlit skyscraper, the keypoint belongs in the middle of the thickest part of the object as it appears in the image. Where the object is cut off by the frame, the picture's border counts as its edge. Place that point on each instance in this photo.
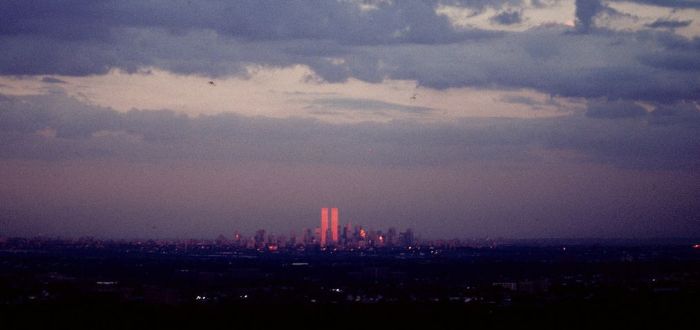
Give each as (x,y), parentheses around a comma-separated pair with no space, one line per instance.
(324,225)
(333,226)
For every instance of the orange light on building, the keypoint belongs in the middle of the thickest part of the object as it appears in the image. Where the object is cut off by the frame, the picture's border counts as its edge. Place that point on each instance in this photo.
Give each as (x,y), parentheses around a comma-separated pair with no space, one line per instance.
(334,225)
(324,225)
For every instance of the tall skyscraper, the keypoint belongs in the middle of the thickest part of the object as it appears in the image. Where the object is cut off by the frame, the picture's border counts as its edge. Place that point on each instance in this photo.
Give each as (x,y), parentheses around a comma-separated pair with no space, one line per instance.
(334,225)
(324,225)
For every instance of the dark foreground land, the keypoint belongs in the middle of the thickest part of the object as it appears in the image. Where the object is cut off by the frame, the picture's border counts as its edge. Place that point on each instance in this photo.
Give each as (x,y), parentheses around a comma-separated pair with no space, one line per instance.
(59,285)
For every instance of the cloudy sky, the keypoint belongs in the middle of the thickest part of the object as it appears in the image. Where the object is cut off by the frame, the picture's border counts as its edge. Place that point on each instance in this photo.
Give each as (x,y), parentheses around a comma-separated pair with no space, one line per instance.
(457,118)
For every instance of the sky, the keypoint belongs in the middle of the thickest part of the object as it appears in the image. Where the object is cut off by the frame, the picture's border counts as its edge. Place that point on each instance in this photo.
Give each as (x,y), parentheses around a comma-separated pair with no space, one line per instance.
(456,118)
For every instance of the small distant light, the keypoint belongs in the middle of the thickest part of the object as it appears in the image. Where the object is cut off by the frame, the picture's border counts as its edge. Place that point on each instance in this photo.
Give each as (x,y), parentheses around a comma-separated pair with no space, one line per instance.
(696,246)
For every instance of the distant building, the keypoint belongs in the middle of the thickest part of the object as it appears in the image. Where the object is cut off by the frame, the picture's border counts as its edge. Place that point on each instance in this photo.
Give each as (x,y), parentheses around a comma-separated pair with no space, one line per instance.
(260,238)
(324,226)
(406,238)
(308,236)
(391,237)
(334,225)
(331,228)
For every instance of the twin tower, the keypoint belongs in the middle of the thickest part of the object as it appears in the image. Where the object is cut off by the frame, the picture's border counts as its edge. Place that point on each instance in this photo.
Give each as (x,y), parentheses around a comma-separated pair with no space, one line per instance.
(333,226)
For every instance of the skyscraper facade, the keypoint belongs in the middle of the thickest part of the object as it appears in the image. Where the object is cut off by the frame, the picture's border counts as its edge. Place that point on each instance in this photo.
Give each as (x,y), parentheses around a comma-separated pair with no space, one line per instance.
(334,225)
(324,225)
(331,228)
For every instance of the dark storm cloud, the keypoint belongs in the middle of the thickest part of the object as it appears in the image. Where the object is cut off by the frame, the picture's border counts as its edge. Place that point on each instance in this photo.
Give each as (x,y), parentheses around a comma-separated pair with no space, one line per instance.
(340,40)
(548,60)
(342,21)
(508,17)
(618,132)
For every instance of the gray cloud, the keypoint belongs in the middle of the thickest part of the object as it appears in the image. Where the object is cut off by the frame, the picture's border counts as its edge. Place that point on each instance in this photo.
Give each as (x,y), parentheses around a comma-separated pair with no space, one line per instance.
(366,105)
(399,40)
(666,138)
(614,110)
(668,24)
(667,3)
(681,61)
(546,60)
(508,17)
(342,21)
(530,102)
(52,80)
(586,10)
(517,99)
(684,113)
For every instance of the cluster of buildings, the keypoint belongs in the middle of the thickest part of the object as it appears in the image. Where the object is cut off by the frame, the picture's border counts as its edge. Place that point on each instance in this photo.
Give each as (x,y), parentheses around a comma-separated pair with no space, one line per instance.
(330,234)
